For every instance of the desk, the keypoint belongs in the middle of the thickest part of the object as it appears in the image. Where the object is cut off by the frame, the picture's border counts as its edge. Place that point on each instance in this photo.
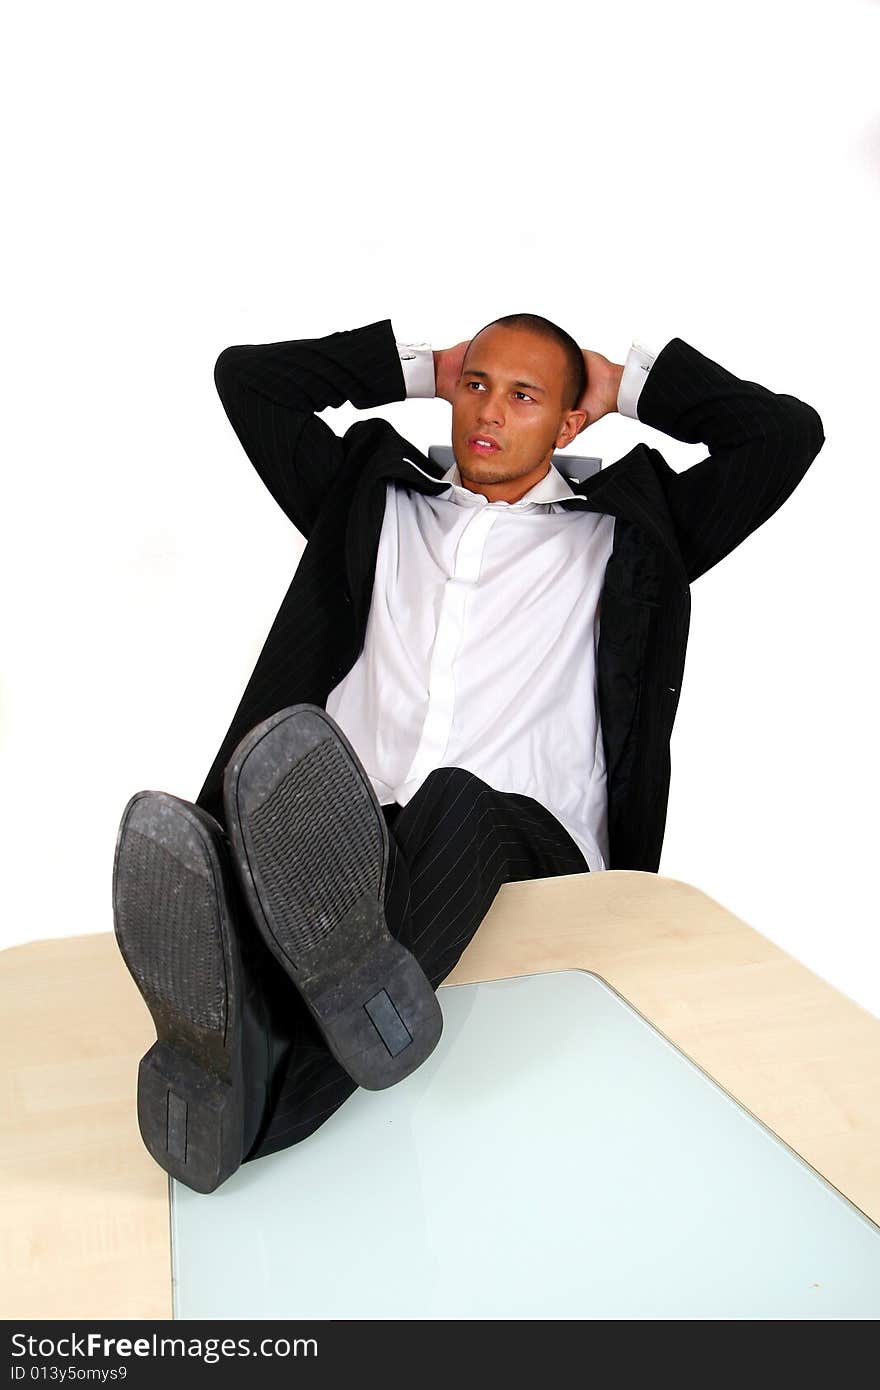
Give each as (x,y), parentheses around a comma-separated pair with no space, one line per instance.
(86,1217)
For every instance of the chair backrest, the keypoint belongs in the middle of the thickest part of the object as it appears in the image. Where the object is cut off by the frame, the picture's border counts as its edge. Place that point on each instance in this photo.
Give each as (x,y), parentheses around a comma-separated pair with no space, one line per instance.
(574,467)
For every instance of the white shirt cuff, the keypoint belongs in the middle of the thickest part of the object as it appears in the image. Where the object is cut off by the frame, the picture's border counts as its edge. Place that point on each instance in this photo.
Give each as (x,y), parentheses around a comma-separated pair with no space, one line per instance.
(417,363)
(639,361)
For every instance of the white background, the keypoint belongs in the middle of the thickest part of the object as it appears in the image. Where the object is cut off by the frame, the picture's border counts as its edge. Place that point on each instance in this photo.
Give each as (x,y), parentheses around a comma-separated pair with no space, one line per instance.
(182,177)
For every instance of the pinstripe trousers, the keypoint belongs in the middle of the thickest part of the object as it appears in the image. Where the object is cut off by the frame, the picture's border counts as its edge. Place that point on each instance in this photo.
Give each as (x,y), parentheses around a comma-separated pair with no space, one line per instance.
(451,848)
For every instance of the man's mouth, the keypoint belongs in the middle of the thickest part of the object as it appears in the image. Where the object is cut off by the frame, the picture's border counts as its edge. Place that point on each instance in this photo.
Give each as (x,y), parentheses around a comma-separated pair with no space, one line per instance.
(482,444)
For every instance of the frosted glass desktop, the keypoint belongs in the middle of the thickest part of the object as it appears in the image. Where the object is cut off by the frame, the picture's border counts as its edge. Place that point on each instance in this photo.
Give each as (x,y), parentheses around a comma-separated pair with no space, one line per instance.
(555,1157)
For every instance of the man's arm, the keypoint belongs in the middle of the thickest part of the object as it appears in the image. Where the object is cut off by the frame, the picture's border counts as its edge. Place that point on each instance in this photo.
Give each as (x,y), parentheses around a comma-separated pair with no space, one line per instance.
(760,446)
(272,392)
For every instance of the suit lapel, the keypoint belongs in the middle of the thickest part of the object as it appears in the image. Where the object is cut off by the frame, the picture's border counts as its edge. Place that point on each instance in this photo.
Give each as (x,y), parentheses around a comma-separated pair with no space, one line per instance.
(394,460)
(630,489)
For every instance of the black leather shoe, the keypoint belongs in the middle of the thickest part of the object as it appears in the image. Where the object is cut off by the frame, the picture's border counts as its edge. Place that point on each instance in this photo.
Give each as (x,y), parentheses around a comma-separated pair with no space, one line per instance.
(203,1087)
(310,845)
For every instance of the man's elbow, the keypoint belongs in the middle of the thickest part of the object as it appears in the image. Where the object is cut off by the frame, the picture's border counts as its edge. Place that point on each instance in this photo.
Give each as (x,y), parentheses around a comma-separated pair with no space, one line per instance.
(802,433)
(224,371)
(814,429)
(815,436)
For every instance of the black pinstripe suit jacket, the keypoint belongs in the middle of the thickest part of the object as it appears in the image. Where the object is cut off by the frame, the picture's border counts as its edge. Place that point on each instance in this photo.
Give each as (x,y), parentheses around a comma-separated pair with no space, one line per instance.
(670,528)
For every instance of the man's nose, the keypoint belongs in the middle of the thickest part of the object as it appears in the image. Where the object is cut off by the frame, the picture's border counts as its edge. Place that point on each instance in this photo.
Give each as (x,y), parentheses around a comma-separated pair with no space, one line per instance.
(491,409)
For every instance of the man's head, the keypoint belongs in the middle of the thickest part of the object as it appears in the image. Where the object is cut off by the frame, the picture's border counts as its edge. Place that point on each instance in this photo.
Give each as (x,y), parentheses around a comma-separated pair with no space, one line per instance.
(521,379)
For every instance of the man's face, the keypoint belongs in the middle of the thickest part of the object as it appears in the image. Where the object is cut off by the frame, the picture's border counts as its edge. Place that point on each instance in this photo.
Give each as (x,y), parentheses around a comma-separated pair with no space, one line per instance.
(510,391)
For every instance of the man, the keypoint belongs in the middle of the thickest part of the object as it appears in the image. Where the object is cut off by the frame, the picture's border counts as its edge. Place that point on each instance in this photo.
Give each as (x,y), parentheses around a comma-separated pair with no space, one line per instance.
(472,679)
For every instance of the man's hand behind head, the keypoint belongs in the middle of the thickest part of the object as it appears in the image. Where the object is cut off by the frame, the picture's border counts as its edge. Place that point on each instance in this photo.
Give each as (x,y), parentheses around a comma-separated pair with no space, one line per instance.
(603,384)
(448,363)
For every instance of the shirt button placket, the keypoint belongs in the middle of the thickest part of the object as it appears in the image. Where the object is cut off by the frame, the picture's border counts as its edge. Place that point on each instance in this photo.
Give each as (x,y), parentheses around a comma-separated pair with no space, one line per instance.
(447,641)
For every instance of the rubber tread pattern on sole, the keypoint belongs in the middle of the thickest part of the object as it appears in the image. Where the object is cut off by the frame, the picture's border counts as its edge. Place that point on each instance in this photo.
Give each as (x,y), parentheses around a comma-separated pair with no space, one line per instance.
(167,922)
(320,805)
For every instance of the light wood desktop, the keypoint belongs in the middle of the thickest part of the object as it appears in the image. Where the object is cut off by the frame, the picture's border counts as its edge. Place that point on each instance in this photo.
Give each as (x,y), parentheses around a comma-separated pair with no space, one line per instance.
(85,1209)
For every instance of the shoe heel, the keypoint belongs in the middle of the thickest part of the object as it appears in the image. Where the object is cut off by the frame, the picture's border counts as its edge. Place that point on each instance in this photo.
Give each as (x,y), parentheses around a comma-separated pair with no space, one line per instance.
(379,1015)
(190,1121)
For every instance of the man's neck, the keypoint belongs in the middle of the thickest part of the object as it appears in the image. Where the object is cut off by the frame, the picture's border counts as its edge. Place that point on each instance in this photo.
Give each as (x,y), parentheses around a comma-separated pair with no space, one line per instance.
(513,489)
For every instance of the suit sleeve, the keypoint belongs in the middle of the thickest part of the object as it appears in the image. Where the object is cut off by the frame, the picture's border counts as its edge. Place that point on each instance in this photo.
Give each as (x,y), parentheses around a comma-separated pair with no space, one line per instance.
(272,393)
(760,446)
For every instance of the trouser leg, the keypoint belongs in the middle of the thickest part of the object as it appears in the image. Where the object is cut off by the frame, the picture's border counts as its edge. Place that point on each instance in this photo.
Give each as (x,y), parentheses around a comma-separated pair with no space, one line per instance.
(451,848)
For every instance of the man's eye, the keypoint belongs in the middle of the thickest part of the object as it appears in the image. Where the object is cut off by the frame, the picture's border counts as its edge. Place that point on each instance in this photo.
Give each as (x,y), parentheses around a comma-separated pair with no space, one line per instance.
(480,384)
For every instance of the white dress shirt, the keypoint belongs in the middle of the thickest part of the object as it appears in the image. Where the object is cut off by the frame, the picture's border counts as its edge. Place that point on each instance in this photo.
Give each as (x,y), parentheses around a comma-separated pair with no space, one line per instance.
(481,640)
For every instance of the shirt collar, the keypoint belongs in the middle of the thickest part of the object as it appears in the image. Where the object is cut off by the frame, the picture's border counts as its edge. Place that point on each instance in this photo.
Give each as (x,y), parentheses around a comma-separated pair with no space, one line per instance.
(551,488)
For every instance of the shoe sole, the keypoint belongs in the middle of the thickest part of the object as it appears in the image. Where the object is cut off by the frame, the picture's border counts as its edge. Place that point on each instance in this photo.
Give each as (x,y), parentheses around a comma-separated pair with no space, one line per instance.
(311,848)
(173,923)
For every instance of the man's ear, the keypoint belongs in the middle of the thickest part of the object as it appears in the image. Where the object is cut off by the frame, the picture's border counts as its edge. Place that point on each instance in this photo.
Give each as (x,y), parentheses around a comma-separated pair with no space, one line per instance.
(575,421)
